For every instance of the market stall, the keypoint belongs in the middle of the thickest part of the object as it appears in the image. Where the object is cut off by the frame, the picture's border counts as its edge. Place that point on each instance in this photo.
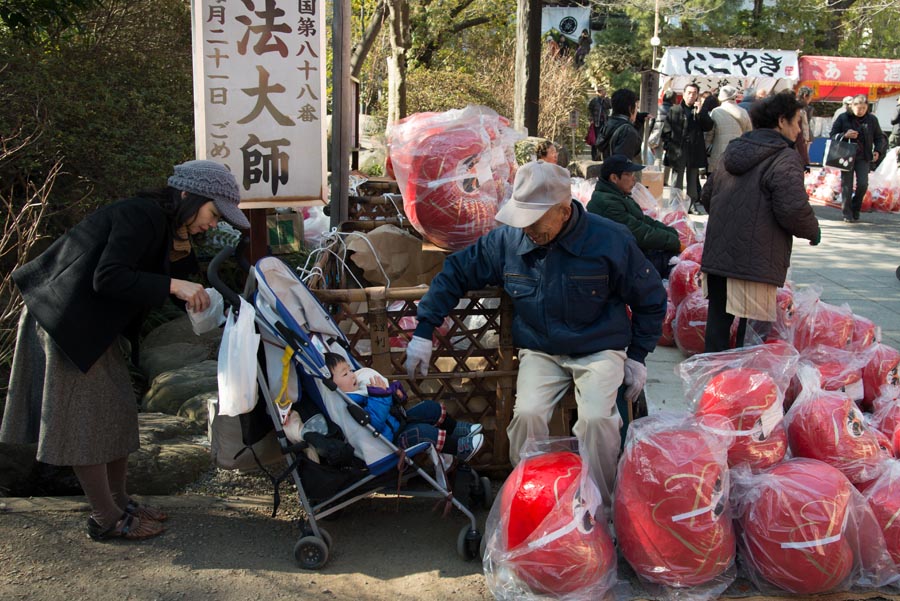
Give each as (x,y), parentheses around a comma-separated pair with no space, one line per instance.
(712,68)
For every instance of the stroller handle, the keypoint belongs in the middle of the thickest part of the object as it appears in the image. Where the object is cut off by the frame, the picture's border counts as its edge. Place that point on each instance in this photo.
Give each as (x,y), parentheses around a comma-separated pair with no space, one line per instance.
(212,272)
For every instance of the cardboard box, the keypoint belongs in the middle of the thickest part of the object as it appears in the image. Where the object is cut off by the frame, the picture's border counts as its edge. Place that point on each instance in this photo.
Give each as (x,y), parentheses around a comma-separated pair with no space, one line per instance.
(285,232)
(653,180)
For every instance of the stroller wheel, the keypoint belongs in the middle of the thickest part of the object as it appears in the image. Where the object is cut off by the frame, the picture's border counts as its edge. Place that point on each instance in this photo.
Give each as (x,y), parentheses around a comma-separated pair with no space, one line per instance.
(468,544)
(310,553)
(487,492)
(307,532)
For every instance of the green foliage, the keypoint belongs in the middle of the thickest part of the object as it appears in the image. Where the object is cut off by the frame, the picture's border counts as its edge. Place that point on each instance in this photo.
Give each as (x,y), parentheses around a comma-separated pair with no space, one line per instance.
(445,89)
(36,19)
(112,100)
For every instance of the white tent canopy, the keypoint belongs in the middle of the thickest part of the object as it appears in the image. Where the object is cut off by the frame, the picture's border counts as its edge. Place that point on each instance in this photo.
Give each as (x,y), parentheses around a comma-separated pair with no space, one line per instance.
(710,68)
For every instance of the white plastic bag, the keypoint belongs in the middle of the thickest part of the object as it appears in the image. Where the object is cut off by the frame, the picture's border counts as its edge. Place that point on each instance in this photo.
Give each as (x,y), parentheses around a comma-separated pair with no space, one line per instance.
(210,319)
(237,362)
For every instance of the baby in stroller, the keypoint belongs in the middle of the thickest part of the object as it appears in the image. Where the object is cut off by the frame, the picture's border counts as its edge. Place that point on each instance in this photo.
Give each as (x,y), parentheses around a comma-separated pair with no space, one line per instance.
(426,421)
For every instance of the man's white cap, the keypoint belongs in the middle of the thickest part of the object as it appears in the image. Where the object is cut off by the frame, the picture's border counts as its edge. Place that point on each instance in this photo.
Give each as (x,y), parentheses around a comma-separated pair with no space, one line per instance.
(539,187)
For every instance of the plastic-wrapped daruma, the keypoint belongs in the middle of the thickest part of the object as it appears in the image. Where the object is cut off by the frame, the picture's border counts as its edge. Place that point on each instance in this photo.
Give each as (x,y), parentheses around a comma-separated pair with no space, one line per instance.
(683,280)
(794,529)
(749,399)
(690,323)
(554,545)
(668,334)
(449,198)
(669,510)
(828,426)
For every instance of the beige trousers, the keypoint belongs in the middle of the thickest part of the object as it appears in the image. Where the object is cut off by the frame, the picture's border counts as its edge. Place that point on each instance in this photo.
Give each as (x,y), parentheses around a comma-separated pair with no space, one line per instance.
(543,381)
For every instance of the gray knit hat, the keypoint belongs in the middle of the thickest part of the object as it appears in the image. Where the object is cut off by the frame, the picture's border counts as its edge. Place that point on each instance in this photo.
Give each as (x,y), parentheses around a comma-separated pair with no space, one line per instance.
(214,181)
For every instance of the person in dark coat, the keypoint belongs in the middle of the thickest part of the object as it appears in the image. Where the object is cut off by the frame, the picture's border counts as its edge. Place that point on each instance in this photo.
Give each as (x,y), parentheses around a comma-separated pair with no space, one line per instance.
(70,389)
(861,127)
(612,199)
(757,203)
(682,136)
(619,133)
(598,109)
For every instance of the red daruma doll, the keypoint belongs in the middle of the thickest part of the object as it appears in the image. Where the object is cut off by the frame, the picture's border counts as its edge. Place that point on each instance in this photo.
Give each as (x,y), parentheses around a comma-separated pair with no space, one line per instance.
(670,507)
(827,426)
(751,401)
(547,534)
(793,518)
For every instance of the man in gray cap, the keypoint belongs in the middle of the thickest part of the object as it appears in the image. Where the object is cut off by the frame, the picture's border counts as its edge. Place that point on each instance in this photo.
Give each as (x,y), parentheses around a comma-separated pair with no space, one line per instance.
(570,275)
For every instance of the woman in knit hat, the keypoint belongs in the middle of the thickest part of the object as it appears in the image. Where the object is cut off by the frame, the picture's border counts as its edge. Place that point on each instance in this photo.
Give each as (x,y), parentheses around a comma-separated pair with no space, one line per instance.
(70,390)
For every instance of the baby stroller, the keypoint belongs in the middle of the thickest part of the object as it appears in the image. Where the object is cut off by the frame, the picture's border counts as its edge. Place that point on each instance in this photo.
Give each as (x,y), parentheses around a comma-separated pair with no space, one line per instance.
(343,459)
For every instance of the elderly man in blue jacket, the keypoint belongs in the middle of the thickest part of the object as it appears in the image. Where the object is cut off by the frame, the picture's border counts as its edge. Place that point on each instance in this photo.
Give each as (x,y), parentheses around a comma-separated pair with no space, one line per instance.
(570,275)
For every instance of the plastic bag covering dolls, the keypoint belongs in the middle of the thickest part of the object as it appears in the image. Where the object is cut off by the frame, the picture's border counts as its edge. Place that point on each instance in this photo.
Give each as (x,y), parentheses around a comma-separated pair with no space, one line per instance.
(546,536)
(828,426)
(821,323)
(806,530)
(746,386)
(671,505)
(694,253)
(880,374)
(667,338)
(886,415)
(839,369)
(683,280)
(454,170)
(690,323)
(884,499)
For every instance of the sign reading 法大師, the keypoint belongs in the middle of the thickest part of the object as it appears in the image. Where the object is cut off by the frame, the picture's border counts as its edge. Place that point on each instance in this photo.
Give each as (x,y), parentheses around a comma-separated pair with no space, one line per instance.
(730,62)
(259,96)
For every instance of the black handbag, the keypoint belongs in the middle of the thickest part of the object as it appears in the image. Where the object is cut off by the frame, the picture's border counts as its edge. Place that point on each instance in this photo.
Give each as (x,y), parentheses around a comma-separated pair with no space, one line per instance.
(840,154)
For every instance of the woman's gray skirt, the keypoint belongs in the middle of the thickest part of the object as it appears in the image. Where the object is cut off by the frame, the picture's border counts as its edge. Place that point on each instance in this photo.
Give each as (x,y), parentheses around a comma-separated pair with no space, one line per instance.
(75,418)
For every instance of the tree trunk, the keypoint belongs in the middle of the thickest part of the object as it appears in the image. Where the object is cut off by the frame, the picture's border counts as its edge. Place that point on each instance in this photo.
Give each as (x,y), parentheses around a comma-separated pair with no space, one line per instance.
(361,50)
(834,35)
(528,66)
(398,19)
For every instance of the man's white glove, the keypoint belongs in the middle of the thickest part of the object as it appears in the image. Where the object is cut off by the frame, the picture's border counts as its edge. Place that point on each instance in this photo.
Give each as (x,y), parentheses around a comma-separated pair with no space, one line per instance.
(635,378)
(418,356)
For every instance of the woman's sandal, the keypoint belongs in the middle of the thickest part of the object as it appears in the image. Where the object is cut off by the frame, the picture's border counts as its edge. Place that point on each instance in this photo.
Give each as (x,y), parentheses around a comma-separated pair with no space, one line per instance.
(145,511)
(128,527)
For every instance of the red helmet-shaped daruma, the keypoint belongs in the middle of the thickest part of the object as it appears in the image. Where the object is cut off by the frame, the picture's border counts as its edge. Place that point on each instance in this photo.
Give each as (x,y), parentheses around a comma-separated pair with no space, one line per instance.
(865,333)
(821,323)
(667,338)
(884,499)
(783,328)
(886,415)
(683,280)
(549,537)
(670,507)
(751,401)
(793,520)
(828,426)
(690,323)
(451,197)
(880,373)
(694,253)
(839,369)
(453,171)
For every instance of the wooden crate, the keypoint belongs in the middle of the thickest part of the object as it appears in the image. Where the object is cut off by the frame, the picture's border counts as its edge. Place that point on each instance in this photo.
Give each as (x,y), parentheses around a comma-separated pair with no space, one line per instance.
(473,367)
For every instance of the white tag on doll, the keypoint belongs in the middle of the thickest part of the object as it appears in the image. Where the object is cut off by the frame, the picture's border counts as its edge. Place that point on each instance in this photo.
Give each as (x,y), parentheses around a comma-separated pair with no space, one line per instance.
(819,541)
(855,390)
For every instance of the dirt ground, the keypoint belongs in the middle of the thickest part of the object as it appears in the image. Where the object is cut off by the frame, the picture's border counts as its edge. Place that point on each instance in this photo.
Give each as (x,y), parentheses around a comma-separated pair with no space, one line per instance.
(232,551)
